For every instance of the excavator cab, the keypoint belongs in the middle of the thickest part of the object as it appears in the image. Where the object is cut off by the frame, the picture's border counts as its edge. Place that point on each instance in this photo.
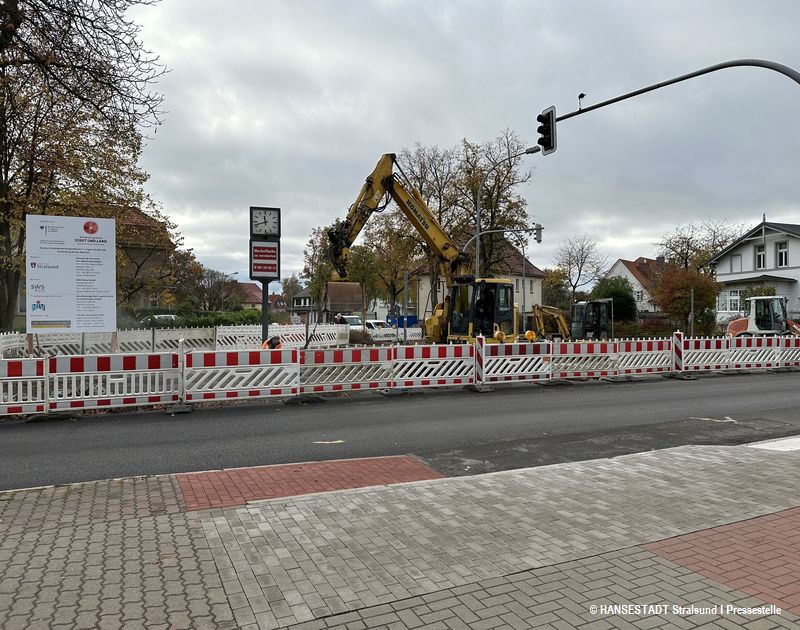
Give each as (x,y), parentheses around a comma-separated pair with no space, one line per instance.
(767,316)
(590,320)
(483,307)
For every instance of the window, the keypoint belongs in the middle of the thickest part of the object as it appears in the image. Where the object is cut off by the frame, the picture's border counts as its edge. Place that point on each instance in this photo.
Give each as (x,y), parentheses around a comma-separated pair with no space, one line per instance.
(733,300)
(782,254)
(516,285)
(736,263)
(153,300)
(761,256)
(640,296)
(530,285)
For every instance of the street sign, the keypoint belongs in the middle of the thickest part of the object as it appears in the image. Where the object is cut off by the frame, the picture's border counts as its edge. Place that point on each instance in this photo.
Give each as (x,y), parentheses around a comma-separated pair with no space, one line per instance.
(265,259)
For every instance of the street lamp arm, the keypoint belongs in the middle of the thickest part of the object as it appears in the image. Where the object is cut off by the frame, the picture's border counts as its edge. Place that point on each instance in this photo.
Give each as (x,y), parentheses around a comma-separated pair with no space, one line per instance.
(515,231)
(760,63)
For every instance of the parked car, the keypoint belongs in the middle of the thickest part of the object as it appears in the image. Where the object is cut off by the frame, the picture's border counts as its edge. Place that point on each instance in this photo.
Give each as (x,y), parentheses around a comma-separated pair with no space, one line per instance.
(376,324)
(161,319)
(355,322)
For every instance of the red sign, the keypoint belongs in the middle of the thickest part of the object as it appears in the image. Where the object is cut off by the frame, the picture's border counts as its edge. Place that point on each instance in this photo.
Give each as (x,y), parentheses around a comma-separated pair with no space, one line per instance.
(264,260)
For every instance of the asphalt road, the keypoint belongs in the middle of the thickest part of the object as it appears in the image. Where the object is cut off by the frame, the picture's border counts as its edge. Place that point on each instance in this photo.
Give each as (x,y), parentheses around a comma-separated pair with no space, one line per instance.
(458,432)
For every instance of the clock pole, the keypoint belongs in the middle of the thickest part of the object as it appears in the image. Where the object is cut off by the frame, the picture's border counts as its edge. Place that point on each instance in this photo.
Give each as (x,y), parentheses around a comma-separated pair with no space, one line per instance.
(264,310)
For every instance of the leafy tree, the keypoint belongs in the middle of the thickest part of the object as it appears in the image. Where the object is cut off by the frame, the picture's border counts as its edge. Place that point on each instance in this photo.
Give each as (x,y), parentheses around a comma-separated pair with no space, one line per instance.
(216,291)
(555,289)
(317,267)
(580,262)
(75,89)
(290,287)
(621,290)
(690,246)
(363,268)
(501,206)
(673,293)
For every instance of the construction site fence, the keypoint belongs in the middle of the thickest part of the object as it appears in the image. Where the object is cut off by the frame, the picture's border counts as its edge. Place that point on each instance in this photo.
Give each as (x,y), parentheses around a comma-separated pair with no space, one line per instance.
(39,385)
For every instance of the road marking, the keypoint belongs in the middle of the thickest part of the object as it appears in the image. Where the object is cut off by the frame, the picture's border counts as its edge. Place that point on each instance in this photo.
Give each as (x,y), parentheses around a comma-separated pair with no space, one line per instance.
(787,444)
(331,442)
(725,419)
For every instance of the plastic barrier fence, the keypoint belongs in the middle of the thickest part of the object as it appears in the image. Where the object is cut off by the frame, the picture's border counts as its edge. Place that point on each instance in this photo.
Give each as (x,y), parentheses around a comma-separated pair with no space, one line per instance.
(754,352)
(23,386)
(254,374)
(514,361)
(790,352)
(428,366)
(644,356)
(113,381)
(346,369)
(584,359)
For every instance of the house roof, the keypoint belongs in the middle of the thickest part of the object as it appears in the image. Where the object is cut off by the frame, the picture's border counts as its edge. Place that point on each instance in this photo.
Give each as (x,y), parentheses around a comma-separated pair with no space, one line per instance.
(644,270)
(304,292)
(792,229)
(513,261)
(277,300)
(252,292)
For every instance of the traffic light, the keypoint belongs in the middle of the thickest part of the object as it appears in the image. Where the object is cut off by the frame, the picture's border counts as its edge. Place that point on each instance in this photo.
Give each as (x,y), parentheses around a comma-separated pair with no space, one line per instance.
(547,130)
(537,230)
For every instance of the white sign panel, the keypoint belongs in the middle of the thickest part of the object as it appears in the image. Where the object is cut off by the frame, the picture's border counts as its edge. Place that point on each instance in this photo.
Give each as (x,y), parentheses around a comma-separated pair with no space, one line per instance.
(265,260)
(71,274)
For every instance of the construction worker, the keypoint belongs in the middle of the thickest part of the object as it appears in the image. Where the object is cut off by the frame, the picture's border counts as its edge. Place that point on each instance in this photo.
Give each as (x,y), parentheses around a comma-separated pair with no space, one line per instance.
(273,343)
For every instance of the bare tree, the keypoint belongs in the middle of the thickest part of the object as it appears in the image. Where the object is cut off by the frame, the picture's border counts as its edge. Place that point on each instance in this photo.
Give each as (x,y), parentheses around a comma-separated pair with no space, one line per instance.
(691,246)
(580,262)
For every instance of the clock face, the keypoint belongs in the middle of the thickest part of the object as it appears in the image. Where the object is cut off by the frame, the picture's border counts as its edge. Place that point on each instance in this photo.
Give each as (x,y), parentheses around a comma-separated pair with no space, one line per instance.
(265,221)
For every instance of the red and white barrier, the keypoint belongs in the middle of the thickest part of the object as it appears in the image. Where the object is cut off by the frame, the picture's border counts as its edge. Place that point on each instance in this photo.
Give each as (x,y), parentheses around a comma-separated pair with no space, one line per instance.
(254,374)
(23,386)
(790,352)
(584,359)
(516,362)
(644,356)
(706,353)
(346,369)
(747,353)
(113,381)
(428,366)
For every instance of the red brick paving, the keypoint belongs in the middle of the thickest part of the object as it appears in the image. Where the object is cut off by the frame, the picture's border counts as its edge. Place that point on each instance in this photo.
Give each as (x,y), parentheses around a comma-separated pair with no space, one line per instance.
(237,486)
(760,556)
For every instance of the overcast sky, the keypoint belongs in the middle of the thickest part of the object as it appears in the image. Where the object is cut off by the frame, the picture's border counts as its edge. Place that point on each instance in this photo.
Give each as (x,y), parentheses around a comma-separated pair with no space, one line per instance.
(291,103)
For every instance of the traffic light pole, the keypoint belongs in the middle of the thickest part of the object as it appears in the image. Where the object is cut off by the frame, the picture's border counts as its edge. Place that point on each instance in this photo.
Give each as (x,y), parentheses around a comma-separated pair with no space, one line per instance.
(759,63)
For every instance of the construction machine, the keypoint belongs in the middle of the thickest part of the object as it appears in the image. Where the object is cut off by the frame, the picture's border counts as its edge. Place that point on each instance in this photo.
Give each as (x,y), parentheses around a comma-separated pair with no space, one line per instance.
(590,320)
(473,305)
(766,316)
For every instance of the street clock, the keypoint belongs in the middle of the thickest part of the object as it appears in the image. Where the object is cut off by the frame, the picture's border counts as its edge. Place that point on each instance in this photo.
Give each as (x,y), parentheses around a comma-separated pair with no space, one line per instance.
(265,222)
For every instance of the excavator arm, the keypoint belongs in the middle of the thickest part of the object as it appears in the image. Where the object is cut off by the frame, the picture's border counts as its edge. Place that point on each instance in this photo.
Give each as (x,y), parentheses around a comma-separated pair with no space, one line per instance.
(381,185)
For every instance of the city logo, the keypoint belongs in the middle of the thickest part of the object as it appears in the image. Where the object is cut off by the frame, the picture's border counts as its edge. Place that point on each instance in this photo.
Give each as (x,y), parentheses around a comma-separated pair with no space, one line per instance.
(37,287)
(35,265)
(37,306)
(91,227)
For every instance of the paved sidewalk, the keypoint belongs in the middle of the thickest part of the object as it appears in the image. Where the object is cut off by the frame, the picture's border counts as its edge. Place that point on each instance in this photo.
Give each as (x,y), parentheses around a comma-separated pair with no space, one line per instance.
(686,537)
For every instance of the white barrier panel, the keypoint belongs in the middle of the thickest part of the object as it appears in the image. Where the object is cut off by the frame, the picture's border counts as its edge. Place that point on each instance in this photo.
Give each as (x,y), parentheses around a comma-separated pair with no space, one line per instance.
(754,352)
(584,359)
(516,362)
(166,339)
(291,336)
(395,334)
(10,345)
(428,366)
(644,356)
(254,374)
(115,380)
(790,352)
(706,354)
(23,386)
(346,369)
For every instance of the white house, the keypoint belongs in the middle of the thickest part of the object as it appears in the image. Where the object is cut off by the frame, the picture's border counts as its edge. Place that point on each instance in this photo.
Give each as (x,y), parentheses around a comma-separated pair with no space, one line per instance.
(766,256)
(640,273)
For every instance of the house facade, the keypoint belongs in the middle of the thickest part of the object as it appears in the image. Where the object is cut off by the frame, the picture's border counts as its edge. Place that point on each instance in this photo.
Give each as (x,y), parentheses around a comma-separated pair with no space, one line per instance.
(251,295)
(641,273)
(767,256)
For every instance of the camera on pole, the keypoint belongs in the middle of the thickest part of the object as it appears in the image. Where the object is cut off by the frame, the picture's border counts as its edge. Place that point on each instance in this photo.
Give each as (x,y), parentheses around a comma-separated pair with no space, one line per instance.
(547,130)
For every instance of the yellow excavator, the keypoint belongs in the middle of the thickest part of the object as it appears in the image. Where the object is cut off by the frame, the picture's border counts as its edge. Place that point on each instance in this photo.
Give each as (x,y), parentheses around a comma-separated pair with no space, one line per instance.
(474,305)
